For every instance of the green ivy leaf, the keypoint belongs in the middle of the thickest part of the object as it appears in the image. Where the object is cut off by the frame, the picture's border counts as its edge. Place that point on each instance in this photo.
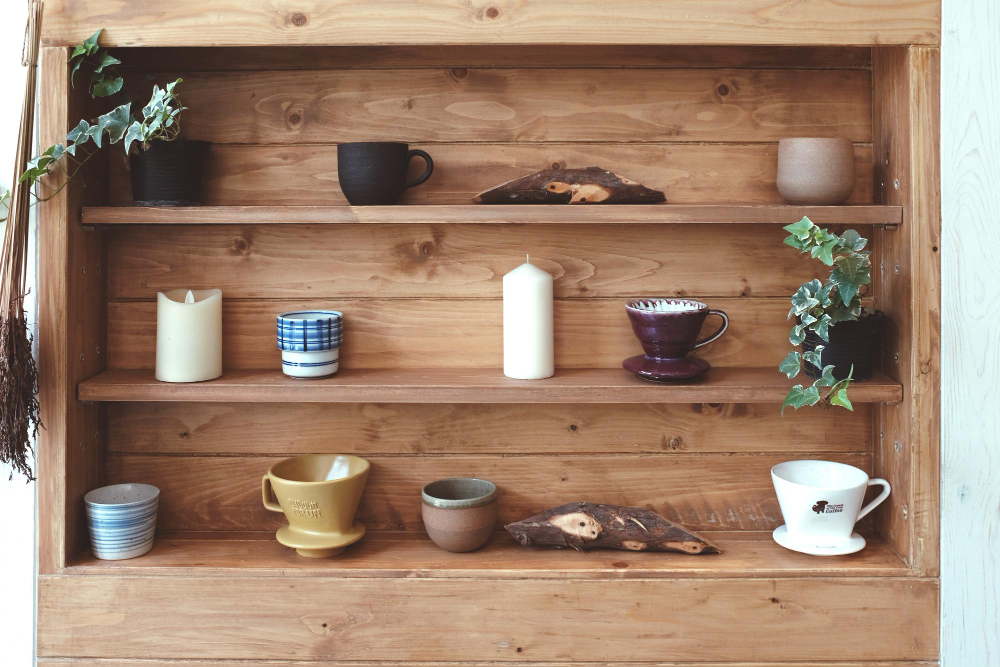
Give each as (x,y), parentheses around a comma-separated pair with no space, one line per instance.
(851,240)
(73,68)
(791,365)
(824,253)
(799,397)
(822,328)
(106,60)
(116,122)
(803,300)
(90,44)
(823,295)
(800,229)
(827,379)
(79,131)
(840,398)
(851,272)
(108,88)
(807,319)
(798,335)
(814,357)
(134,134)
(794,242)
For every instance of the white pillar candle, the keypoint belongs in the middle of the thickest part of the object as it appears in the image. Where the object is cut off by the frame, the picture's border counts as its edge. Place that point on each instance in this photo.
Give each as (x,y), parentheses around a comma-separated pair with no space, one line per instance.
(528,343)
(188,335)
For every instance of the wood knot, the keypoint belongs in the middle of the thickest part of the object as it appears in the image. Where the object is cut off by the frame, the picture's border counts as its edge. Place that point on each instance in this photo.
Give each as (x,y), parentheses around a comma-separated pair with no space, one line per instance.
(492,12)
(572,428)
(619,563)
(674,443)
(241,246)
(459,72)
(295,117)
(427,248)
(558,164)
(298,19)
(723,90)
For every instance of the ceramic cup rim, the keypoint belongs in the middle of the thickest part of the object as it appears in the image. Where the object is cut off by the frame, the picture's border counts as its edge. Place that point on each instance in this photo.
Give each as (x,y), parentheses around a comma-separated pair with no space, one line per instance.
(487,494)
(324,315)
(630,305)
(780,473)
(373,143)
(831,140)
(148,488)
(364,470)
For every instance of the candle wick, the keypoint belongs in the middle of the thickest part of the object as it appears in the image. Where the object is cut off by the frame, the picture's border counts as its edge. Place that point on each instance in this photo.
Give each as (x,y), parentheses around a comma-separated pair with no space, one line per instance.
(527,258)
(189,298)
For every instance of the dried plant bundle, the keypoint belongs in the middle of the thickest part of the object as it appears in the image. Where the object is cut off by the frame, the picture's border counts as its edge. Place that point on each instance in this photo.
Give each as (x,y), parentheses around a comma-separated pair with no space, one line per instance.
(19,418)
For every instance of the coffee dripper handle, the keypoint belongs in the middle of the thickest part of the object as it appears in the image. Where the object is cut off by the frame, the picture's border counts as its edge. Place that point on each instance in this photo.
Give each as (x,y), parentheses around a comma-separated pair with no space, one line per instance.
(268,493)
(878,500)
(714,337)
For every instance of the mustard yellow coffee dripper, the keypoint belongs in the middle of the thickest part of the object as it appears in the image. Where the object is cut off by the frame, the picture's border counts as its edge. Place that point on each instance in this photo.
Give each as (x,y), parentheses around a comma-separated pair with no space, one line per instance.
(319,495)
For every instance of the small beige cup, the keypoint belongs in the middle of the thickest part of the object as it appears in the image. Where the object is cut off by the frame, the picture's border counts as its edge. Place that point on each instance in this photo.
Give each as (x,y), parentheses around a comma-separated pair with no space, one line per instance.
(460,513)
(817,171)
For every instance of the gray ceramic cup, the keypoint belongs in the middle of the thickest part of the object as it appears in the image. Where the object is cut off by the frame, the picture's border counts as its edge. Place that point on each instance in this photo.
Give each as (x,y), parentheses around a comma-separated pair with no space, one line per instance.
(460,513)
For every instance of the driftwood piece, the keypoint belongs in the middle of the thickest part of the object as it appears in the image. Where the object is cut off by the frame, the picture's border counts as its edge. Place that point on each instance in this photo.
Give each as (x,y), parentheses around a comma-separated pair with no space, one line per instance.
(592,185)
(584,526)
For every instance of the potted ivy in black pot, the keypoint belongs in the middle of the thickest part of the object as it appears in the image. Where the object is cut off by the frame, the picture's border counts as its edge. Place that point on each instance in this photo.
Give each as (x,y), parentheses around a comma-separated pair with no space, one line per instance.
(840,338)
(166,171)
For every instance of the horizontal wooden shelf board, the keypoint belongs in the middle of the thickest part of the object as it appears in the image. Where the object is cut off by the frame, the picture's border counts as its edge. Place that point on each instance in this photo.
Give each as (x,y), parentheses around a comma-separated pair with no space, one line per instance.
(646,22)
(720,385)
(395,555)
(782,620)
(209,662)
(770,214)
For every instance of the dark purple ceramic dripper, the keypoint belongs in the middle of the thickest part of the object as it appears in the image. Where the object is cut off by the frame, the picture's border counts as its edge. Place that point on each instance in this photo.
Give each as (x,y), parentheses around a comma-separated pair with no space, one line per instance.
(667,336)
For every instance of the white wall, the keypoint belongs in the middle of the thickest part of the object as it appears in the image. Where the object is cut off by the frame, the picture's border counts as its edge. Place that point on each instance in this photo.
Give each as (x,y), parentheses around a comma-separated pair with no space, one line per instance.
(970,349)
(17,499)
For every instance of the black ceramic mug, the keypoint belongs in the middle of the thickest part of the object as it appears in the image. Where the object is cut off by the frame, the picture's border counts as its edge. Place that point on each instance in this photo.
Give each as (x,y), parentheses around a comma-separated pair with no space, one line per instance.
(374,172)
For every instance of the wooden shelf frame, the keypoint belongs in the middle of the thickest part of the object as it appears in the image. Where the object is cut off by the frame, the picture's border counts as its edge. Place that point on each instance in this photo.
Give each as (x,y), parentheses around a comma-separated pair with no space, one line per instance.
(598,385)
(735,214)
(412,555)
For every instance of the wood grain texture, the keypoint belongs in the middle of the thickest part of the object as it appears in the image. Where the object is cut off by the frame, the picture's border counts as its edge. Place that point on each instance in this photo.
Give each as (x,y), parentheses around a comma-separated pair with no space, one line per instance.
(453,261)
(71,331)
(397,555)
(970,491)
(688,173)
(722,214)
(525,105)
(348,22)
(465,385)
(699,491)
(453,333)
(907,117)
(268,429)
(617,56)
(377,620)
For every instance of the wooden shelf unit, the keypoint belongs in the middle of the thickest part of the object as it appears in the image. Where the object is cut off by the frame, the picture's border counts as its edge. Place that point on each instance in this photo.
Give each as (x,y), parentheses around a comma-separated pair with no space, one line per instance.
(492,91)
(461,385)
(734,214)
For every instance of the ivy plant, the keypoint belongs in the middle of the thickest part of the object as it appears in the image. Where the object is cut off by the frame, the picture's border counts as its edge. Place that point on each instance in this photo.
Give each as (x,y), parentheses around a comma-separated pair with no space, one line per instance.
(104,78)
(819,305)
(161,118)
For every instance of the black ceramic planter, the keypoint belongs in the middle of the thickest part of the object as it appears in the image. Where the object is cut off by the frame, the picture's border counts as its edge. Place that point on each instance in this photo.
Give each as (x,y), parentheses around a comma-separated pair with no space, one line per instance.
(854,343)
(169,173)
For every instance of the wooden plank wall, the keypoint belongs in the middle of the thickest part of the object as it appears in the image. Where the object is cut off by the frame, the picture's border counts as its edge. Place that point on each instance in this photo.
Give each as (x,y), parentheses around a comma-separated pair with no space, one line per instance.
(428,296)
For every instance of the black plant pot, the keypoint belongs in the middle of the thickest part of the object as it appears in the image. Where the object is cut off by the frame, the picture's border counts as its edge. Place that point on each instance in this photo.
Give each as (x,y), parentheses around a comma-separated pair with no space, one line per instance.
(856,343)
(169,173)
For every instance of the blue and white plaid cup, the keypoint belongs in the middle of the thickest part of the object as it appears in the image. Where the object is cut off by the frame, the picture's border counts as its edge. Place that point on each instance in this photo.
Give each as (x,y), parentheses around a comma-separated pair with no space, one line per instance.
(310,330)
(309,341)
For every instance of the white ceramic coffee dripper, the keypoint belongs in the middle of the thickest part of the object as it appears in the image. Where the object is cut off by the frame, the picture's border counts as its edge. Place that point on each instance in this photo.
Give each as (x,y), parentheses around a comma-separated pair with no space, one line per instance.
(821,502)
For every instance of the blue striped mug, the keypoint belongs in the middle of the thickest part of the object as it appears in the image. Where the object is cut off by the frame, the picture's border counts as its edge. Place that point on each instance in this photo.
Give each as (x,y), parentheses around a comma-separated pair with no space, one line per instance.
(309,341)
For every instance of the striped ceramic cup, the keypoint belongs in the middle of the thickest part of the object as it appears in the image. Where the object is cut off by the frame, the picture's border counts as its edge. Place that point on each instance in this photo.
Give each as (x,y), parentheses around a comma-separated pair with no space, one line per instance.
(122,520)
(309,341)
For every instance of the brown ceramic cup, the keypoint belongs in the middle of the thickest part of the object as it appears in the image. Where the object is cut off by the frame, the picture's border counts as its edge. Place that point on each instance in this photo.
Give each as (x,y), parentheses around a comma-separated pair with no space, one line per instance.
(460,513)
(815,170)
(672,334)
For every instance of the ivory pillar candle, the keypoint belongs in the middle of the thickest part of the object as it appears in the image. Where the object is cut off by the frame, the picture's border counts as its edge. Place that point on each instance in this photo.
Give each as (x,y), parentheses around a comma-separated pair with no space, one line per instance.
(188,335)
(528,345)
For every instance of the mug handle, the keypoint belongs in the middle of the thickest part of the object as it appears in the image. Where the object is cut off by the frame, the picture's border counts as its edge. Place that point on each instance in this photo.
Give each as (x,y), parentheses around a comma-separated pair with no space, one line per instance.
(714,337)
(427,174)
(268,493)
(875,503)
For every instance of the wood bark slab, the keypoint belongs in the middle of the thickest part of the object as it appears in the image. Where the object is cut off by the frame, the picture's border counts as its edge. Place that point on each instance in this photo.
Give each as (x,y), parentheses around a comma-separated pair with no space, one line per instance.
(592,185)
(584,526)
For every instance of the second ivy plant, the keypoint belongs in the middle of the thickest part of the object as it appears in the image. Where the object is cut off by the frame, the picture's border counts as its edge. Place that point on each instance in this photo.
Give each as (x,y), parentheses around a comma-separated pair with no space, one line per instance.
(818,306)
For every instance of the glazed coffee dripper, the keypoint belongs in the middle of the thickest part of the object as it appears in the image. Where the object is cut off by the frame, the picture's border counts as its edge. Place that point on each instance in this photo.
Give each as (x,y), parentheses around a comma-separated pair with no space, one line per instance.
(373,173)
(668,330)
(319,495)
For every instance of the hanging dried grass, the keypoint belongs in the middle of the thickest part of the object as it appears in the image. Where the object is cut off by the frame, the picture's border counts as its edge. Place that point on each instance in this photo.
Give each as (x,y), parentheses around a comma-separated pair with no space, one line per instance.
(19,418)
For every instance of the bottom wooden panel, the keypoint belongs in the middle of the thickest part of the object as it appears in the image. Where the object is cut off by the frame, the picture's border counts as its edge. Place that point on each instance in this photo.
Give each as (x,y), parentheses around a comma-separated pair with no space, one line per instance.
(246,618)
